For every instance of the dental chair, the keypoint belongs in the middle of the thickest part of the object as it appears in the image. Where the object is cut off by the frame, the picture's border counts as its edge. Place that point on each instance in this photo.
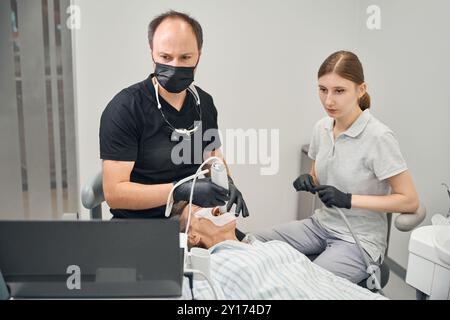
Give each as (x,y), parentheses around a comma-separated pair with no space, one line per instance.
(92,196)
(403,222)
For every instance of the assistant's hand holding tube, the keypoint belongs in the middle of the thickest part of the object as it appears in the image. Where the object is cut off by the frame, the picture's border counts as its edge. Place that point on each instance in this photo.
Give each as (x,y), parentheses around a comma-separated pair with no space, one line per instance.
(305,183)
(206,193)
(331,196)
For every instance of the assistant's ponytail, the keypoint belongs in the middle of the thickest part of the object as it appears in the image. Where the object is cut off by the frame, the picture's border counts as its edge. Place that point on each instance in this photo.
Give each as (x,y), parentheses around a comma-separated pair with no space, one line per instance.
(364,102)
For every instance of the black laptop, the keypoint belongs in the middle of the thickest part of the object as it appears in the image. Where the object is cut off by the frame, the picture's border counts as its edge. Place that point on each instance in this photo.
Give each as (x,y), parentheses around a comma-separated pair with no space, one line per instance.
(91,259)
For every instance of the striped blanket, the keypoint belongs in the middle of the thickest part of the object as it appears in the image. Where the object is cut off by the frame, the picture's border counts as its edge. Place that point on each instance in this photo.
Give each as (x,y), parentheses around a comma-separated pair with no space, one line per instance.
(270,270)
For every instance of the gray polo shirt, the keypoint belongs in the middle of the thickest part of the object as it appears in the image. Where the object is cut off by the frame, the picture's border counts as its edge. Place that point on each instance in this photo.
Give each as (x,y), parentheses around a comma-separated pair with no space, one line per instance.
(359,161)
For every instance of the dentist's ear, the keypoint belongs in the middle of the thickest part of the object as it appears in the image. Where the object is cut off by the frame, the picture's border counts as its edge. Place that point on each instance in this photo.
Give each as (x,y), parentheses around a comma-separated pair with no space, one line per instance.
(198,61)
(153,59)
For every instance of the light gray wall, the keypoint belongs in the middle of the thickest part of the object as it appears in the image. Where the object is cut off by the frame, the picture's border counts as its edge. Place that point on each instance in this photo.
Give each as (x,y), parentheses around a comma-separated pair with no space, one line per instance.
(259,62)
(407,68)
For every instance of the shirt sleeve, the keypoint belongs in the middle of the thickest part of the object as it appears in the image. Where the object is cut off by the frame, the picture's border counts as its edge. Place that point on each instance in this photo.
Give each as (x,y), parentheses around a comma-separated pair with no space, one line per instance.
(119,136)
(387,159)
(314,143)
(211,136)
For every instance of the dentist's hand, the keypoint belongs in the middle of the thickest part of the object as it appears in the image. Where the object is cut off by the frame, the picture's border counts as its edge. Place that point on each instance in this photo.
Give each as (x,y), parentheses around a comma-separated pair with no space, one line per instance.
(305,183)
(331,196)
(236,198)
(206,193)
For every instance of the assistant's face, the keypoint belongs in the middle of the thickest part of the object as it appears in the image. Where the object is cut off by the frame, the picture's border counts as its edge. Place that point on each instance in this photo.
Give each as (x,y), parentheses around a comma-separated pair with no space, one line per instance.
(339,96)
(175,44)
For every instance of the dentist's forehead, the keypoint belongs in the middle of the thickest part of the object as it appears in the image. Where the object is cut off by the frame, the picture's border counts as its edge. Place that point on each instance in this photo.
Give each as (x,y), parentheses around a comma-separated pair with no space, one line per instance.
(174,35)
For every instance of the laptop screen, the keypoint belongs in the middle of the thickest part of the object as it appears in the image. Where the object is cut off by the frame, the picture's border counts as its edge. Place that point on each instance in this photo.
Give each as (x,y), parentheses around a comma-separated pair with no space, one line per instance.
(117,259)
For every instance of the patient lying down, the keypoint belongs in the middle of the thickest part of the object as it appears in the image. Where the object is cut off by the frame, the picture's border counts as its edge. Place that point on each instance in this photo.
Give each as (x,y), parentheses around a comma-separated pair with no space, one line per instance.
(251,269)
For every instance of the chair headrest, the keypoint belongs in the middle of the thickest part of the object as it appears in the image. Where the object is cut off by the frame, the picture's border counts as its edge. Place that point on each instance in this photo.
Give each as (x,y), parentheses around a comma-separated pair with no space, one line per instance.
(408,221)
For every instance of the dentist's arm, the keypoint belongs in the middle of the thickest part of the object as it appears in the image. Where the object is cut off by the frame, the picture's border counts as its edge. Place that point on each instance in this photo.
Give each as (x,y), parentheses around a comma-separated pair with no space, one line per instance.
(120,193)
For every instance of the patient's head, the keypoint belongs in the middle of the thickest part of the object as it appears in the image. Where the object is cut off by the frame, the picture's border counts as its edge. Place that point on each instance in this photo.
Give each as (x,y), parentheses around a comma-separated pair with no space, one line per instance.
(203,232)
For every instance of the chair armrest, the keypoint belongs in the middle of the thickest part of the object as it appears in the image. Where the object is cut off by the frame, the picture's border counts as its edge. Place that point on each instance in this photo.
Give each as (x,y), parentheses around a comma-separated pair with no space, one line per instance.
(92,193)
(408,221)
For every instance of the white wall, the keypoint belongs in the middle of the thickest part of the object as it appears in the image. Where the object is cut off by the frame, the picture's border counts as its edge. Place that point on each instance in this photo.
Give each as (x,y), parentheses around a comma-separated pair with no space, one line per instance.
(407,67)
(260,61)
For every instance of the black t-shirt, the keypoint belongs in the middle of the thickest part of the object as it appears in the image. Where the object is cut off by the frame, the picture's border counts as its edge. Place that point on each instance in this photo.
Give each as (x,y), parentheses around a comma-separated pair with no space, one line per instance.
(132,128)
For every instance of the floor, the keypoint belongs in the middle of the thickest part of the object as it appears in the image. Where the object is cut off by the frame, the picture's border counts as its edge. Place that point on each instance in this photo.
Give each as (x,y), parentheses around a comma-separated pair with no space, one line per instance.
(398,289)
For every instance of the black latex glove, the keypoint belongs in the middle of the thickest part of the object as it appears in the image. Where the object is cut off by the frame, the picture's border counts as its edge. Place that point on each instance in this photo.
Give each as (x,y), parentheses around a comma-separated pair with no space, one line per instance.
(206,193)
(331,196)
(236,198)
(305,183)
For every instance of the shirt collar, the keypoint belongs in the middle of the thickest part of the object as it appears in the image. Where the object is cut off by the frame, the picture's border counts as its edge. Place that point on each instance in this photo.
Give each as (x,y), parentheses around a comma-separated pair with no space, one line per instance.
(356,128)
(232,243)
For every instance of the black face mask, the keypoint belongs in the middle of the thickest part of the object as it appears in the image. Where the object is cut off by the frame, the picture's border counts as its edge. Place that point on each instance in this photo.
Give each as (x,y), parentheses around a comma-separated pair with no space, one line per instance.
(174,79)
